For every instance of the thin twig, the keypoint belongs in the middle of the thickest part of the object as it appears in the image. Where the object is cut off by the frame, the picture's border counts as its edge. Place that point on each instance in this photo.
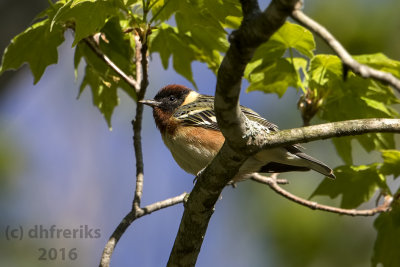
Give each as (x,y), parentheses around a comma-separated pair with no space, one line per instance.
(273,184)
(140,87)
(129,219)
(138,59)
(142,64)
(94,46)
(137,125)
(361,69)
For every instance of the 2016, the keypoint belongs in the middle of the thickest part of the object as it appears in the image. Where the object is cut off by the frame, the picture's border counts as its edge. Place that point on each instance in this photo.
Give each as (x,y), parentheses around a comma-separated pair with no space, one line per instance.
(54,254)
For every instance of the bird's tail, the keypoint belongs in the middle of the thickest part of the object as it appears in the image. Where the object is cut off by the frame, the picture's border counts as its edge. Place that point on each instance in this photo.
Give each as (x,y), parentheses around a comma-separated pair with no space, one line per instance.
(316,165)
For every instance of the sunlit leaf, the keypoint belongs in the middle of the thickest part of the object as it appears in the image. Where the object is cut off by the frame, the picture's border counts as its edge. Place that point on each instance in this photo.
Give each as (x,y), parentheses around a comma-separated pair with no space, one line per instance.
(356,184)
(276,77)
(391,162)
(295,36)
(354,98)
(85,16)
(324,68)
(381,62)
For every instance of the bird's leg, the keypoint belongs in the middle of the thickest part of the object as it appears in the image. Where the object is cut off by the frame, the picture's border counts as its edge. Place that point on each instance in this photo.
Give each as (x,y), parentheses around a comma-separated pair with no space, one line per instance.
(198,174)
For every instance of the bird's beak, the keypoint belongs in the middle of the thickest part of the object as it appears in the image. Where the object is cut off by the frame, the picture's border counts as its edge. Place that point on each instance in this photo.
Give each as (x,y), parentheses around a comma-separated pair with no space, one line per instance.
(150,102)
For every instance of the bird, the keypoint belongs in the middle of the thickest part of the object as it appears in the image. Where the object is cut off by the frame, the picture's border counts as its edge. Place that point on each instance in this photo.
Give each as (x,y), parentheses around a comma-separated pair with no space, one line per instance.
(187,122)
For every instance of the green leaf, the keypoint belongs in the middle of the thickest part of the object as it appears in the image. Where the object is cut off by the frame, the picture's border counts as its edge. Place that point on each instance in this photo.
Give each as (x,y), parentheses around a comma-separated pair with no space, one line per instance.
(130,2)
(164,9)
(324,68)
(224,11)
(168,42)
(102,80)
(217,13)
(276,77)
(232,22)
(104,94)
(297,37)
(86,16)
(376,105)
(277,45)
(387,244)
(117,46)
(269,72)
(354,98)
(288,36)
(356,184)
(265,55)
(199,33)
(391,162)
(36,46)
(381,62)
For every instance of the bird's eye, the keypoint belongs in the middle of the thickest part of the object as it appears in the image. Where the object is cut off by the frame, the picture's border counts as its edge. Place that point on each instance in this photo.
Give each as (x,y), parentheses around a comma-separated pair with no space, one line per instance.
(172,98)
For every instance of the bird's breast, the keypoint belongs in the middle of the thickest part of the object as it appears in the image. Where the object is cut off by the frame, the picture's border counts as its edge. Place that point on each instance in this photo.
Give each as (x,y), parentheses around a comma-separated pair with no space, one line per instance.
(193,148)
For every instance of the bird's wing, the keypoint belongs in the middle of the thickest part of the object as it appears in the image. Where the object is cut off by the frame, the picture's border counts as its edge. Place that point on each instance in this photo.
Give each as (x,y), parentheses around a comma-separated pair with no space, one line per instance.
(254,116)
(201,114)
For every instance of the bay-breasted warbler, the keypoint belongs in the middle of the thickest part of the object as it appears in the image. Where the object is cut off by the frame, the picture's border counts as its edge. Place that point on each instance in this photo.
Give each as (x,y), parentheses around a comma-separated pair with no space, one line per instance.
(188,126)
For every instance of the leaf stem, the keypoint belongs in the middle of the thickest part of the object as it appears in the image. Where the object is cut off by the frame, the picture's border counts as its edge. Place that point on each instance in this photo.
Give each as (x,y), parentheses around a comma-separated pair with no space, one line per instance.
(158,12)
(144,10)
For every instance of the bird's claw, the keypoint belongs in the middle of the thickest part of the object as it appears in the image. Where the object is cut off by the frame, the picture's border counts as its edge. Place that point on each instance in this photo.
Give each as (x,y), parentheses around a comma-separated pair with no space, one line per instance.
(198,175)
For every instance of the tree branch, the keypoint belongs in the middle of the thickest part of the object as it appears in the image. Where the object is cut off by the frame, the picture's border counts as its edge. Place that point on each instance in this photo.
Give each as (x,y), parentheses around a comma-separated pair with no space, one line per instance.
(95,48)
(361,69)
(256,28)
(129,219)
(273,184)
(326,130)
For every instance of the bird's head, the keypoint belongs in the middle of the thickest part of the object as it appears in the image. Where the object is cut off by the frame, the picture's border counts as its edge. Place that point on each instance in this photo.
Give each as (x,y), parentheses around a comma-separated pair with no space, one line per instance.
(169,98)
(167,101)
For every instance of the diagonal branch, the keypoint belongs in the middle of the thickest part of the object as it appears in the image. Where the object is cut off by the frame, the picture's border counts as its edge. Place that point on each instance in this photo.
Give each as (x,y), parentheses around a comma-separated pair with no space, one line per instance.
(90,41)
(129,219)
(256,28)
(273,184)
(361,69)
